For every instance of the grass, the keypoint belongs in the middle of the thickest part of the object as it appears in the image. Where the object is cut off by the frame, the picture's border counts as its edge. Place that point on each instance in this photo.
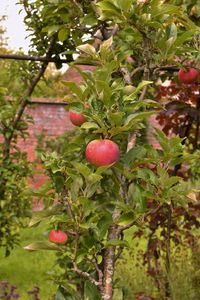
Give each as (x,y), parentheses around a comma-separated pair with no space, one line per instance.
(28,269)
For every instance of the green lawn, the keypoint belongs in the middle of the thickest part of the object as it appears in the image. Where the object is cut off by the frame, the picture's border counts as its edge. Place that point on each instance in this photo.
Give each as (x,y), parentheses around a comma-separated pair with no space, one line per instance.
(28,269)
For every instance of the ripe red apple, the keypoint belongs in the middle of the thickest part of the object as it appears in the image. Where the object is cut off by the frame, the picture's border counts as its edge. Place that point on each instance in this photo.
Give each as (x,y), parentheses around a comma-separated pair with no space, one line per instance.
(58,236)
(188,76)
(102,152)
(76,118)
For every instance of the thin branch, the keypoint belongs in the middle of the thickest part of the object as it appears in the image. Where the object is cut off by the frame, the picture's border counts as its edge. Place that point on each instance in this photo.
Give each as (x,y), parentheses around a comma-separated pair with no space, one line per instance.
(115,29)
(126,75)
(98,270)
(136,70)
(84,274)
(144,91)
(67,203)
(120,249)
(35,58)
(24,102)
(78,5)
(33,84)
(119,253)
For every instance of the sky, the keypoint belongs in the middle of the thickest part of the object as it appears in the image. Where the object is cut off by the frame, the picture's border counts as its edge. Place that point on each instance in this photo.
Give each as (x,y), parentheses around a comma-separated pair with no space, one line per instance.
(16,31)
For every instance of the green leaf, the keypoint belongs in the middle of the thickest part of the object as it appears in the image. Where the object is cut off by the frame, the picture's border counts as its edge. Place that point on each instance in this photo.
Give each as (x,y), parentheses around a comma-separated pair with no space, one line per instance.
(134,118)
(90,19)
(42,246)
(133,154)
(107,44)
(41,215)
(163,140)
(74,88)
(147,175)
(116,117)
(103,225)
(126,218)
(93,178)
(184,37)
(104,90)
(58,182)
(133,95)
(88,240)
(109,9)
(91,292)
(103,169)
(125,5)
(115,242)
(63,34)
(163,174)
(51,29)
(89,125)
(87,49)
(139,198)
(67,292)
(82,169)
(159,9)
(170,182)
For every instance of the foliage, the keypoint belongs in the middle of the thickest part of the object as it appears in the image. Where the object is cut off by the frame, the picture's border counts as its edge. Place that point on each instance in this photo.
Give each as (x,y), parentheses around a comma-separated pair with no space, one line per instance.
(132,44)
(14,192)
(139,43)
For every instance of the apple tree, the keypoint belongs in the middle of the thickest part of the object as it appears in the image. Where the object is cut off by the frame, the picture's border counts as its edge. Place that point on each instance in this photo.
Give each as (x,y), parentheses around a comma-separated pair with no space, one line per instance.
(100,191)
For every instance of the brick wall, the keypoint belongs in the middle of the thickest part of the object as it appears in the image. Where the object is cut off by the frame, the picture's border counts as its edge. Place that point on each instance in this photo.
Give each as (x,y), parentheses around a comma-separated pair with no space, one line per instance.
(50,118)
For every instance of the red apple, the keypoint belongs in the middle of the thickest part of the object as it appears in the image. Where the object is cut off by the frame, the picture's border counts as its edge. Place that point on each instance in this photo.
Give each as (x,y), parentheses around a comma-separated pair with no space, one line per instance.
(102,152)
(76,118)
(188,76)
(58,236)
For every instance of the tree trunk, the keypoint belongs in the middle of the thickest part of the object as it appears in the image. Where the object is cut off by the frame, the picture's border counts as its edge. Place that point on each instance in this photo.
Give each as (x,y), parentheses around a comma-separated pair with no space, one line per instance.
(109,261)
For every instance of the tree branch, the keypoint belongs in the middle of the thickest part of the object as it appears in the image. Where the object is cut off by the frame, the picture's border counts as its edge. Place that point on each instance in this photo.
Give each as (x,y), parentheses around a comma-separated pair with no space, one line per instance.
(35,58)
(84,274)
(126,75)
(24,101)
(98,270)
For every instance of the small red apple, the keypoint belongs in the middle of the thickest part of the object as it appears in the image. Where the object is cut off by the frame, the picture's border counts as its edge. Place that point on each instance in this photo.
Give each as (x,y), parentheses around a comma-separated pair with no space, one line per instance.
(58,236)
(102,152)
(188,76)
(76,118)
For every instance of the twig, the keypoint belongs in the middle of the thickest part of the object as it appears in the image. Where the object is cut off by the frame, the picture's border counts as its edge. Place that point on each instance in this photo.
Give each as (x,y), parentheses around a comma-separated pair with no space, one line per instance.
(66,201)
(136,70)
(126,75)
(35,58)
(99,271)
(78,5)
(84,274)
(24,102)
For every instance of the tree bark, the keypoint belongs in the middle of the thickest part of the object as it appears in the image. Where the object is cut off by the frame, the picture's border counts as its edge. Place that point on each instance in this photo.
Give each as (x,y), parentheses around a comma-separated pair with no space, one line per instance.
(109,260)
